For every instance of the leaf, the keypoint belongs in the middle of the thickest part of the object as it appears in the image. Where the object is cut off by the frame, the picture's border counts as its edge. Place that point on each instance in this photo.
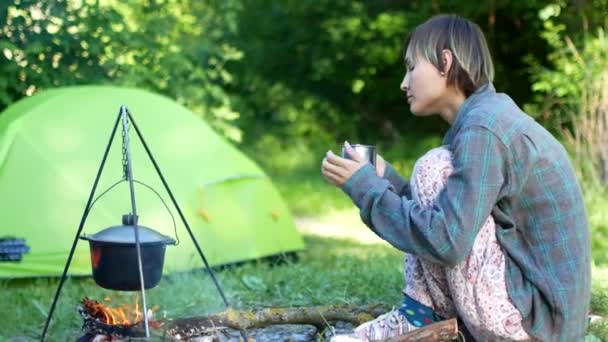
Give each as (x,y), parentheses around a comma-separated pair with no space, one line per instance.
(38,306)
(549,11)
(254,283)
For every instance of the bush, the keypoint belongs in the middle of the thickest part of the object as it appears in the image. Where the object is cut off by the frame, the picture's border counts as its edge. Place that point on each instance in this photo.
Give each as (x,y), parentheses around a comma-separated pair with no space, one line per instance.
(175,48)
(572,96)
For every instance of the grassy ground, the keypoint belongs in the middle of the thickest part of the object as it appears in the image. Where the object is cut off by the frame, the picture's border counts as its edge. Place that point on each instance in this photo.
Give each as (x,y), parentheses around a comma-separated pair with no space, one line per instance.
(330,271)
(343,263)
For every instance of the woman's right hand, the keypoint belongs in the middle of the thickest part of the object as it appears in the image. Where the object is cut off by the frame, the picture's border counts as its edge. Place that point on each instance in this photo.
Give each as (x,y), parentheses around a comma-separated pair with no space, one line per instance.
(380,166)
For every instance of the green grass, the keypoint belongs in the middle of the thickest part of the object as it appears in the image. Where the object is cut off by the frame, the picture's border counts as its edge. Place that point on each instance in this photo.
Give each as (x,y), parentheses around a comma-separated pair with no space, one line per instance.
(330,271)
(596,200)
(308,194)
(599,302)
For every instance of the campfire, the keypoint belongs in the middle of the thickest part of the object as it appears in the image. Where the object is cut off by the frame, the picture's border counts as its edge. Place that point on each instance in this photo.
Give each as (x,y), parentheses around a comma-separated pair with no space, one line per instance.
(103,322)
(127,247)
(264,324)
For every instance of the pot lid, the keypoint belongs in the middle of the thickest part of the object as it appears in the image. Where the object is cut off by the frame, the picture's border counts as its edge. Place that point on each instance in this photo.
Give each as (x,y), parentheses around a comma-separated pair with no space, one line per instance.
(126,234)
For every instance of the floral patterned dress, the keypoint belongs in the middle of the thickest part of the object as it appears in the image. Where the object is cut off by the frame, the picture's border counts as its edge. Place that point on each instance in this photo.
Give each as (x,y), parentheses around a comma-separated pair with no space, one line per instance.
(474,290)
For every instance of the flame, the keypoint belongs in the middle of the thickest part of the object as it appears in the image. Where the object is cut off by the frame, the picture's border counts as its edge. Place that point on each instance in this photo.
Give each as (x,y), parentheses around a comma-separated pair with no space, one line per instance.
(137,315)
(124,314)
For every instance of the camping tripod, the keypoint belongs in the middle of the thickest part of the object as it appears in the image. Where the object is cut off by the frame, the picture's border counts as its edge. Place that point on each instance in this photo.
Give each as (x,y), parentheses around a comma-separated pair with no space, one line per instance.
(126,117)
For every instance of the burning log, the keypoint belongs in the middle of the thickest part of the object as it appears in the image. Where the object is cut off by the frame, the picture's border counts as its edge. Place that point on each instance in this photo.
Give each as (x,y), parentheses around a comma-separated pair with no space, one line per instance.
(115,323)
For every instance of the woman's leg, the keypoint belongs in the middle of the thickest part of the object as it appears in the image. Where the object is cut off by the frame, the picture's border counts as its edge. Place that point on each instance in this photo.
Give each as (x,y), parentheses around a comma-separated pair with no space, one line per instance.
(476,286)
(479,291)
(474,290)
(426,288)
(427,299)
(427,284)
(426,281)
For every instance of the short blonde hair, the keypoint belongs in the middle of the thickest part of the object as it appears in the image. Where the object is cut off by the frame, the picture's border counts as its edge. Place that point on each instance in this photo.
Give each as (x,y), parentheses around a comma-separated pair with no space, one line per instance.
(472,65)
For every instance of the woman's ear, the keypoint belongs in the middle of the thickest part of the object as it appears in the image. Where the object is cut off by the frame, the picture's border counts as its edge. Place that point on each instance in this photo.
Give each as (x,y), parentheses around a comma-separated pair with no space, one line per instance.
(448,59)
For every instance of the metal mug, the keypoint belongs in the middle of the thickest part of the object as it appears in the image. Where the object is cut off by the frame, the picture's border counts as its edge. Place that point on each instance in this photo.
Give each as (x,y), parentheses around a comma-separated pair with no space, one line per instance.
(367,152)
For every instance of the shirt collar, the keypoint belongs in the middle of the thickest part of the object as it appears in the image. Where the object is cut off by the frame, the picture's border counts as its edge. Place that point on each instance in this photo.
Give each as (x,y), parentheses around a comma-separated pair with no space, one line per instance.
(480,93)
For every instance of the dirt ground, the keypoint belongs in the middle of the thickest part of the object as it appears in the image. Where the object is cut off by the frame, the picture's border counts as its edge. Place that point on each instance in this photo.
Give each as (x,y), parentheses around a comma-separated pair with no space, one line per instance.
(344,224)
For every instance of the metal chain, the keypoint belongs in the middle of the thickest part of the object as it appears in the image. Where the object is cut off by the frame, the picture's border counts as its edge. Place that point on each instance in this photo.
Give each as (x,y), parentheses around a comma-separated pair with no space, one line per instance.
(125,170)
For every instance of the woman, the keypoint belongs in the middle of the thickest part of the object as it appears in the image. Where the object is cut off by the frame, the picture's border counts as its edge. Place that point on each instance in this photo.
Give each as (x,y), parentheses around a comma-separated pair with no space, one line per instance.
(501,239)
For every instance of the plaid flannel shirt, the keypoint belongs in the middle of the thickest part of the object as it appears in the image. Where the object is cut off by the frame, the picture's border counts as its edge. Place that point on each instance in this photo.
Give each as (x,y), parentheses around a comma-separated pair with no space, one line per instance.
(508,166)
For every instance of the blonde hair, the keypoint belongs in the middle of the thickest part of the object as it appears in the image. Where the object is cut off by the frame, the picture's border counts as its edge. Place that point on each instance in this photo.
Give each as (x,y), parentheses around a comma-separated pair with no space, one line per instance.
(472,64)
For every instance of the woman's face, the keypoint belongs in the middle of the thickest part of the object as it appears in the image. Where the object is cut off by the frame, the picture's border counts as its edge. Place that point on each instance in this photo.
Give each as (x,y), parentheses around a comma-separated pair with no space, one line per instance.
(424,87)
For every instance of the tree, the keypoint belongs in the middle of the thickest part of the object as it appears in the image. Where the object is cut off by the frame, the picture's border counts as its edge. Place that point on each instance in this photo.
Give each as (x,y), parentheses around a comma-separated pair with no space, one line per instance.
(176,48)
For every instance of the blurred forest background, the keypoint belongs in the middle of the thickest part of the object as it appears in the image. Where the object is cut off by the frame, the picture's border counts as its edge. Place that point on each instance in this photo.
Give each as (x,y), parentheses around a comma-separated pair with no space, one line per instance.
(285,81)
(288,80)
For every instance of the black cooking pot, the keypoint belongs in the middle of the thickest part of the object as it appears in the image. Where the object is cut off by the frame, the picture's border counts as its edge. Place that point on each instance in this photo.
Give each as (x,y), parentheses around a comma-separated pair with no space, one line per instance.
(114,256)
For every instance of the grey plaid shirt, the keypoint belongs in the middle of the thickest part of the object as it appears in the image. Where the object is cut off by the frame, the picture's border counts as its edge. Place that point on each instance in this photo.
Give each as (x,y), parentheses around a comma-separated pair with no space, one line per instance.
(509,166)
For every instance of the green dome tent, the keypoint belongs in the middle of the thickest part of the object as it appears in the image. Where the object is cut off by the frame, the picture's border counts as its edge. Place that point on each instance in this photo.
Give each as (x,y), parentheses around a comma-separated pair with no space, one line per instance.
(51,146)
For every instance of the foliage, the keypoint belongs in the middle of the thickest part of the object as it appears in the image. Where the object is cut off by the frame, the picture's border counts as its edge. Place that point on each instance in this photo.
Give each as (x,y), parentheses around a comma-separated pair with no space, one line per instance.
(170,47)
(571,98)
(573,93)
(321,72)
(300,72)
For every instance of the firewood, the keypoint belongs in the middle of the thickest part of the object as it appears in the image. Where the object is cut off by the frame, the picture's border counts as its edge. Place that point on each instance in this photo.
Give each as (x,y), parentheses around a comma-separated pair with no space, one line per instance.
(319,316)
(257,318)
(440,331)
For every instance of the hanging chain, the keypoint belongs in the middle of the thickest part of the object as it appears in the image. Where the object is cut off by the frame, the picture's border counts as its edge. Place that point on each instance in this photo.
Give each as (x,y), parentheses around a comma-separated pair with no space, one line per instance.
(125,170)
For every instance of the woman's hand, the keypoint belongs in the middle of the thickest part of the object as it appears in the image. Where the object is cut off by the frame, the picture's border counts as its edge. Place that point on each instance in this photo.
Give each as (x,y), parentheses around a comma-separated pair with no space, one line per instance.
(337,170)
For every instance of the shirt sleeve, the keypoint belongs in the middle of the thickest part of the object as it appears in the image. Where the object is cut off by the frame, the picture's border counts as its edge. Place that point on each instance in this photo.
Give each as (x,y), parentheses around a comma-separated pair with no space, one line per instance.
(400,184)
(444,232)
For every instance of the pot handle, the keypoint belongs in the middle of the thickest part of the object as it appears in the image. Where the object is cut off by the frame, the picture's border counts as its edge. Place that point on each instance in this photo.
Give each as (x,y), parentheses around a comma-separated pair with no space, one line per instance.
(173,242)
(84,237)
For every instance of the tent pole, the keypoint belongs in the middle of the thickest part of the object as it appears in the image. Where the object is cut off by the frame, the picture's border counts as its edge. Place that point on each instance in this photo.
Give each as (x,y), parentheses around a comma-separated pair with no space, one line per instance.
(181,215)
(82,221)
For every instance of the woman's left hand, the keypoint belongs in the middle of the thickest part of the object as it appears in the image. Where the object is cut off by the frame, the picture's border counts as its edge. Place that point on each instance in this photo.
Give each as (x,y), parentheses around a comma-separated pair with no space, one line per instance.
(337,170)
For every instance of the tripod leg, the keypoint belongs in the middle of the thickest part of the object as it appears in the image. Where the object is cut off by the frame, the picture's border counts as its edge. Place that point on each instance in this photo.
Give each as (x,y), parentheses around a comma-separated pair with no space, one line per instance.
(82,221)
(129,171)
(181,215)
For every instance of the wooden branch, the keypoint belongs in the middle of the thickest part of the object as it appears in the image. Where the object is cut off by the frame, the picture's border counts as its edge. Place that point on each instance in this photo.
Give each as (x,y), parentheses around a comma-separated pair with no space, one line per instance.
(440,331)
(250,319)
(318,316)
